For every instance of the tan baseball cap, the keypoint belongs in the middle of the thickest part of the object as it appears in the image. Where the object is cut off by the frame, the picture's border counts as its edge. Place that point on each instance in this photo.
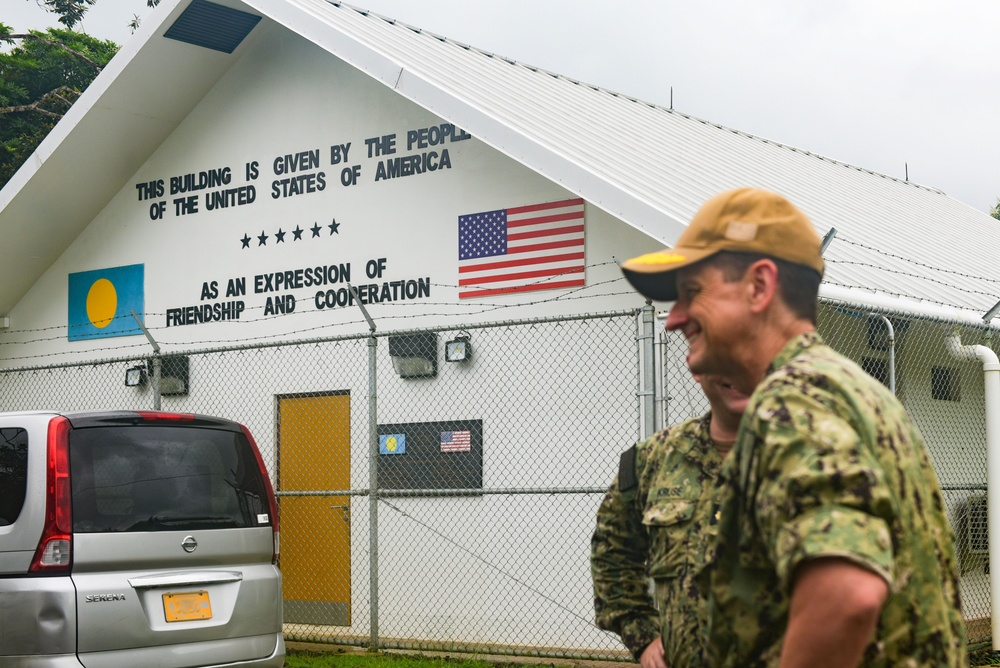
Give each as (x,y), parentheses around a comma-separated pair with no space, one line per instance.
(747,220)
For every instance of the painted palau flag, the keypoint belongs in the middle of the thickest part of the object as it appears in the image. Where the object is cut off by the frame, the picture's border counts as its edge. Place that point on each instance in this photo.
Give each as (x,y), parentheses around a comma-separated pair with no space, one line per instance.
(101,302)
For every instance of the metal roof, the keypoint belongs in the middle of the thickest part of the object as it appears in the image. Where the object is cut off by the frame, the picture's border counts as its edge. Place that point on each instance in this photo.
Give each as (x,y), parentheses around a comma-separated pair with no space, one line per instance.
(650,166)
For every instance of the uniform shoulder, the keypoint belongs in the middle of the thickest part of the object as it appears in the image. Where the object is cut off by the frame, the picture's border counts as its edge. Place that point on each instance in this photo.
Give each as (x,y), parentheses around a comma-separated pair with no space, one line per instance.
(822,376)
(668,439)
(817,365)
(682,430)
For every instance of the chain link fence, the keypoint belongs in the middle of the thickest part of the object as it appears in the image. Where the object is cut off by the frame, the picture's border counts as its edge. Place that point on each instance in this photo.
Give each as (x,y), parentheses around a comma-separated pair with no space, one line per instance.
(438,488)
(945,397)
(490,471)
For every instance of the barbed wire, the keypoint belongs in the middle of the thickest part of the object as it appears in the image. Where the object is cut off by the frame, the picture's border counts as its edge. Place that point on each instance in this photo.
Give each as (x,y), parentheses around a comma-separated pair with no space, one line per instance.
(565,296)
(491,307)
(915,262)
(463,309)
(63,353)
(562,296)
(917,276)
(890,293)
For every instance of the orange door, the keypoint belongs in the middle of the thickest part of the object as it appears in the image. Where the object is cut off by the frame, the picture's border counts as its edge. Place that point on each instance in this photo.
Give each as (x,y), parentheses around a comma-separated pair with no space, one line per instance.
(314,457)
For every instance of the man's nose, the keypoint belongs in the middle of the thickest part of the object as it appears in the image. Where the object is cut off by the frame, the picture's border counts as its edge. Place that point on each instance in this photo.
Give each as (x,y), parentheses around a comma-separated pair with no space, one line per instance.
(677,317)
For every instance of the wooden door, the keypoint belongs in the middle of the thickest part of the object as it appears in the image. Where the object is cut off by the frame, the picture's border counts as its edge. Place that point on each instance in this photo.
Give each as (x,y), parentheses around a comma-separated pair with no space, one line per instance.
(314,456)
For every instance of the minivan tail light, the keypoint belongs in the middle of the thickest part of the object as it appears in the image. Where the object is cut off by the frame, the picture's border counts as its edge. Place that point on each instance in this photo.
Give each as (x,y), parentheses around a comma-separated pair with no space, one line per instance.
(272,502)
(54,551)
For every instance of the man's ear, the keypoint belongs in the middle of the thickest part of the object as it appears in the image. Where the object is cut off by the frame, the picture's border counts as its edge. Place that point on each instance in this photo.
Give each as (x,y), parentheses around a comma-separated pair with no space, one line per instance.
(761,280)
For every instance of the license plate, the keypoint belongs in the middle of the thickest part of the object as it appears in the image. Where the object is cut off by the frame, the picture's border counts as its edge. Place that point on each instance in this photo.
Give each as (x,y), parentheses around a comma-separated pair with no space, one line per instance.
(187,606)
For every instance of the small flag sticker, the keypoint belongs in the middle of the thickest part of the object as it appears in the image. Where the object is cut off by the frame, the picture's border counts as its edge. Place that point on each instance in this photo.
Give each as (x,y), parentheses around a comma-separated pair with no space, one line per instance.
(392,444)
(456,441)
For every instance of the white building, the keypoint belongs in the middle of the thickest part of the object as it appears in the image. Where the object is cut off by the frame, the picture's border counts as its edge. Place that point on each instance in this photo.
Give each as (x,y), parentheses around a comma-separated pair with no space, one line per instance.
(239,163)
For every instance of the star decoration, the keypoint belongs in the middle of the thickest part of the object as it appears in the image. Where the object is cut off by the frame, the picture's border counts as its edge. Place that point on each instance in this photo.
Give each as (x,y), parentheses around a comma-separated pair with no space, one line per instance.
(245,240)
(315,228)
(297,232)
(334,226)
(279,236)
(262,239)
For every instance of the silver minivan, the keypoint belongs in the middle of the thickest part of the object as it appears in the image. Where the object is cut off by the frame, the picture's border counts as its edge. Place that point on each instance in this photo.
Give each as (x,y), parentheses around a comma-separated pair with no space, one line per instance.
(136,539)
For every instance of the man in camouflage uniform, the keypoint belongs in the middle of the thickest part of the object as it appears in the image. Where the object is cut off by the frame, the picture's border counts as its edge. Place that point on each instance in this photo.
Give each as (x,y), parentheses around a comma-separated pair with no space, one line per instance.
(658,519)
(834,548)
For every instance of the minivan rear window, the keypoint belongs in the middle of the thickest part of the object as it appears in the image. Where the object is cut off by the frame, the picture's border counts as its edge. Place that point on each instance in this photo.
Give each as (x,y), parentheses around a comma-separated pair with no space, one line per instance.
(164,478)
(13,473)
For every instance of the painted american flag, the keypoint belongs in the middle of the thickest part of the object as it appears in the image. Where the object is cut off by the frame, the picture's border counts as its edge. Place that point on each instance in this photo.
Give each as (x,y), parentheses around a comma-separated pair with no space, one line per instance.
(456,441)
(521,249)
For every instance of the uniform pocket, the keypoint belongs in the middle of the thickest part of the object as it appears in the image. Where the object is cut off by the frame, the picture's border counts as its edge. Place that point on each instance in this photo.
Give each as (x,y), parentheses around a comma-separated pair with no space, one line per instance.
(668,521)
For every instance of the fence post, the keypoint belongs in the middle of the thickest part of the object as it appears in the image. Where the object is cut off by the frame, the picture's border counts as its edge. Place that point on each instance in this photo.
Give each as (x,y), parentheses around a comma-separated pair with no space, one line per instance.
(373,489)
(157,376)
(647,341)
(659,377)
(372,471)
(157,361)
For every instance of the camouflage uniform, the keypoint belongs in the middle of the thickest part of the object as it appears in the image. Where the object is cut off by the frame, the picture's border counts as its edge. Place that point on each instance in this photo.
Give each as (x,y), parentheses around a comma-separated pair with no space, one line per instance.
(658,516)
(828,464)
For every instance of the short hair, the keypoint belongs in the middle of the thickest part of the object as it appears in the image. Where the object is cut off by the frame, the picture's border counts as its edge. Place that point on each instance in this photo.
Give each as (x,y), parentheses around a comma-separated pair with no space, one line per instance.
(798,284)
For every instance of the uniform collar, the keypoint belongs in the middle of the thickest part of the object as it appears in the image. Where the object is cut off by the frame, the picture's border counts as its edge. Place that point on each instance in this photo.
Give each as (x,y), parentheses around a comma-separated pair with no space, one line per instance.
(795,347)
(702,450)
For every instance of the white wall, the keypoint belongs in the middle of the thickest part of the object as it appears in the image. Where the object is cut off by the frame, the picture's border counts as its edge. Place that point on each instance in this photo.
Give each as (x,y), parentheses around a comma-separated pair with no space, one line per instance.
(283,97)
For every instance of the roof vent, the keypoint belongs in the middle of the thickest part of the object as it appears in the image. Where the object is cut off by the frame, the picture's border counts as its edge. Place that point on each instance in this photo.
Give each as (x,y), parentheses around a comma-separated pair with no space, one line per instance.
(212,26)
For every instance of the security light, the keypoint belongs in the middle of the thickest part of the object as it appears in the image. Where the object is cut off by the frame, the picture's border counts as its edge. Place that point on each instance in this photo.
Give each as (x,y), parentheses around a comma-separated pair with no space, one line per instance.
(458,349)
(135,375)
(414,355)
(174,375)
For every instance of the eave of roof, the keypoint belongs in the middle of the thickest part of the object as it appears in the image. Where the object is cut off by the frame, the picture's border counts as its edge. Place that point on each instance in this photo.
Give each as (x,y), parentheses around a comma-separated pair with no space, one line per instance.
(118,122)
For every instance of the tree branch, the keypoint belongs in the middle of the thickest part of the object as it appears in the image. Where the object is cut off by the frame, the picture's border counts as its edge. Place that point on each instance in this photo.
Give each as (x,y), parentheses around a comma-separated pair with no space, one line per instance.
(29,107)
(60,97)
(56,44)
(36,105)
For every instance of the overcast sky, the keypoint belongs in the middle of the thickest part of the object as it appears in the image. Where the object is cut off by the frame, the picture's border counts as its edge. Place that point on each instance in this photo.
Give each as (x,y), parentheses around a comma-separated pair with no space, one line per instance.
(887,85)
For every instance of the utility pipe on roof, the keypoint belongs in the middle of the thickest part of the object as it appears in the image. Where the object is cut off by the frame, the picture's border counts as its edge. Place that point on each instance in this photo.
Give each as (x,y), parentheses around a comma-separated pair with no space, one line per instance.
(991,379)
(901,305)
(892,351)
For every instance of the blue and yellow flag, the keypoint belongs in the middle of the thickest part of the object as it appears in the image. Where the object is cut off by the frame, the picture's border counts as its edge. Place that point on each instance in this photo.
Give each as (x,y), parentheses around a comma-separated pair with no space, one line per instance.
(101,302)
(392,444)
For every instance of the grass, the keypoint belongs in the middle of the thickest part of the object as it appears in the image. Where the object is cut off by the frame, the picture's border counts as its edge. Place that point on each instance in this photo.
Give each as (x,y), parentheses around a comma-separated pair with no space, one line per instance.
(984,657)
(319,659)
(335,659)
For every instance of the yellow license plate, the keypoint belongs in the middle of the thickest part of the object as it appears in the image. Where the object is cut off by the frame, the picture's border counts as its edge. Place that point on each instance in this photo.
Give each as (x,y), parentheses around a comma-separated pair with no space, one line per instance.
(187,606)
